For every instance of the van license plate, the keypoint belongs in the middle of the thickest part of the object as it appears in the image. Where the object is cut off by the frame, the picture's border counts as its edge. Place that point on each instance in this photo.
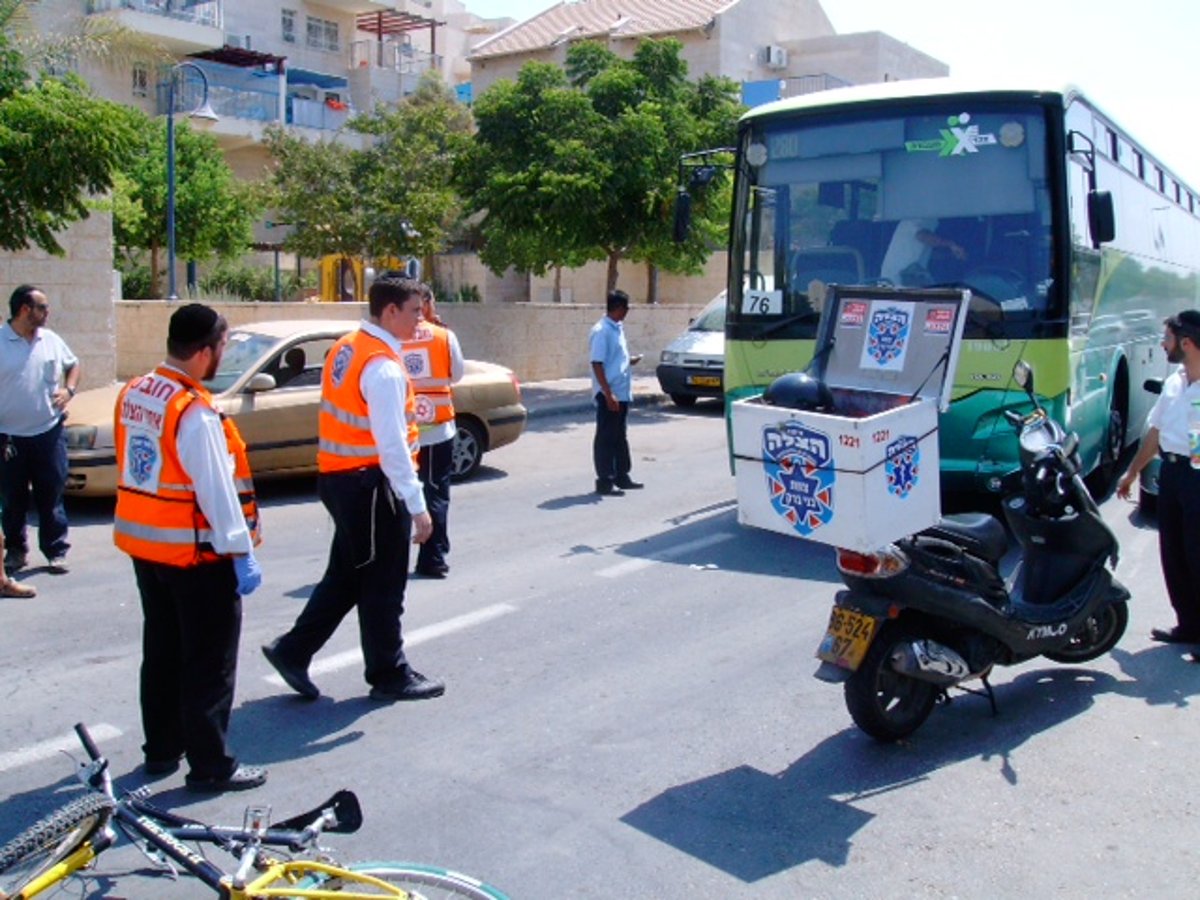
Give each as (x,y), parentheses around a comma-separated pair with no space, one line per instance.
(847,638)
(704,381)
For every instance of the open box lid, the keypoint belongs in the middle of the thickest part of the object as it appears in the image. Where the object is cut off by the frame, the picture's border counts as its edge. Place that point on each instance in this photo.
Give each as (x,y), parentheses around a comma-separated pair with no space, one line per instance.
(903,342)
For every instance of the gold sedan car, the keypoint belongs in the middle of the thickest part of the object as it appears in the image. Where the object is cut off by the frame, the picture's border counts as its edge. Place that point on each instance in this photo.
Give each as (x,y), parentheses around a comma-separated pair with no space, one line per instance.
(270,383)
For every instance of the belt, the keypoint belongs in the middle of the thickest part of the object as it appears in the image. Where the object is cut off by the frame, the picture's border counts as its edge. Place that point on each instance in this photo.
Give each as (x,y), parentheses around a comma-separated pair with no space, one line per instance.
(1175,457)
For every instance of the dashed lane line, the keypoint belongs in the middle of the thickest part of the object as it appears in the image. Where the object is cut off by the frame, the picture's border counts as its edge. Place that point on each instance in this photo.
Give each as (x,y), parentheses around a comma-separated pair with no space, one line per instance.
(68,743)
(353,657)
(633,565)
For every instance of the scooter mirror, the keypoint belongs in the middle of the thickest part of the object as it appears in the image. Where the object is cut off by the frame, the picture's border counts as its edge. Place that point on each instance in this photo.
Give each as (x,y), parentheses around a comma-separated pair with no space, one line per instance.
(1023,376)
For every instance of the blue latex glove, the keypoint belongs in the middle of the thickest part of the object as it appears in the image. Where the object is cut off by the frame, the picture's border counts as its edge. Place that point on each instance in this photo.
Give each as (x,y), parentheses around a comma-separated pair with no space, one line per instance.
(249,575)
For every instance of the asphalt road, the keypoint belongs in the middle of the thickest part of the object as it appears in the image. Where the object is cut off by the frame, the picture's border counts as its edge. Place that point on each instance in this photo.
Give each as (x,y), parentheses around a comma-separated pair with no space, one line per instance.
(630,710)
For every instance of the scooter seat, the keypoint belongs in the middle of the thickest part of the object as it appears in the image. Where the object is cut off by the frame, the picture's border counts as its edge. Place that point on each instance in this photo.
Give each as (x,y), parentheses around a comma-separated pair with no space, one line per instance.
(978,533)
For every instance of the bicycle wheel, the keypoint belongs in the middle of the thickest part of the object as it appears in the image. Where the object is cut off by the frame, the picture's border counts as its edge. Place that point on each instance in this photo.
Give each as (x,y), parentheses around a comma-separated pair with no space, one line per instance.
(430,882)
(51,840)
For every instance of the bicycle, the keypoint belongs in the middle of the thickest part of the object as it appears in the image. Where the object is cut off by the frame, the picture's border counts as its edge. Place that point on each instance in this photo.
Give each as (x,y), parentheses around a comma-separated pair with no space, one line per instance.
(70,839)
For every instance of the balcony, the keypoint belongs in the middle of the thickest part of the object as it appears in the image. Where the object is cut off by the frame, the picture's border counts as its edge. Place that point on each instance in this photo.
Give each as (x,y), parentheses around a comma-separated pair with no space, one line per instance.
(181,26)
(387,71)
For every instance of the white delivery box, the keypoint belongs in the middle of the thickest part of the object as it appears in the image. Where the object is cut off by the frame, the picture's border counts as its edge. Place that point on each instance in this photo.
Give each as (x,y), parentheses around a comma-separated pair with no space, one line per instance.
(865,472)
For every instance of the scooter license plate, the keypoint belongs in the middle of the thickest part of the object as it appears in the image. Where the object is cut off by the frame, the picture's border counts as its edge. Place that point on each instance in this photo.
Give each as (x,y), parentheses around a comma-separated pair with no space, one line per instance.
(847,638)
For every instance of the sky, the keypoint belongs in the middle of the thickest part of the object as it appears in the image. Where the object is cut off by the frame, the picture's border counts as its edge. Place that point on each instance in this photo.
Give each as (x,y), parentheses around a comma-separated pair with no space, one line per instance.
(1138,60)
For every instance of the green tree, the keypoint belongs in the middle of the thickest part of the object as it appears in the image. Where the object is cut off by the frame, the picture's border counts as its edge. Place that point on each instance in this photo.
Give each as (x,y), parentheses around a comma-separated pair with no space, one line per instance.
(391,198)
(535,174)
(582,164)
(59,145)
(214,211)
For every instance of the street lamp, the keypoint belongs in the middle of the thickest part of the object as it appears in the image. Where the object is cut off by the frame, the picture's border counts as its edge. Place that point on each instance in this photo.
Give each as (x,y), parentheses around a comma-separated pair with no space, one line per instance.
(203,111)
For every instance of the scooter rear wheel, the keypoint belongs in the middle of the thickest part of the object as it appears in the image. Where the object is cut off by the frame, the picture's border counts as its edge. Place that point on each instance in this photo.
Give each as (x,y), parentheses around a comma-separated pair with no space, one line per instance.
(1098,635)
(884,703)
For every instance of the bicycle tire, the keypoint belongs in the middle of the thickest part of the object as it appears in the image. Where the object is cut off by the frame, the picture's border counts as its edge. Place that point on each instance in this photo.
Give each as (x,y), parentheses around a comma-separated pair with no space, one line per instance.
(430,882)
(50,840)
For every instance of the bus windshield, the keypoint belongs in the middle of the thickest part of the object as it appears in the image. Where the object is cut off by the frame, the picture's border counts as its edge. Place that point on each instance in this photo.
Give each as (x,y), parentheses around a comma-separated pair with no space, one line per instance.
(927,195)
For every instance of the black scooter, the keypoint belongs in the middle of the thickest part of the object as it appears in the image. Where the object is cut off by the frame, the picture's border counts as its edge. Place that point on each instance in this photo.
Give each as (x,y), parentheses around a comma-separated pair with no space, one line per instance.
(932,610)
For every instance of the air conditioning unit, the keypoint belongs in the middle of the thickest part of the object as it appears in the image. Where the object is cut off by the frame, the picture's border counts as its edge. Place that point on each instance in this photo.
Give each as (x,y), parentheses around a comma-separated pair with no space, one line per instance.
(776,57)
(240,41)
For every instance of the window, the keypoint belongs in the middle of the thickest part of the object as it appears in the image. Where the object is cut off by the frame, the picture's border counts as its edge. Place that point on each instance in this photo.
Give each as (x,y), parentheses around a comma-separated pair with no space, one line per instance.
(140,82)
(322,34)
(287,18)
(1161,178)
(1114,145)
(1139,164)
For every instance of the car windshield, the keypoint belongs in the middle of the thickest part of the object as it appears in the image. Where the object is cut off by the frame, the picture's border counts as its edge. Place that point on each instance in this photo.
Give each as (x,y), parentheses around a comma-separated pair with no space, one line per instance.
(712,319)
(241,352)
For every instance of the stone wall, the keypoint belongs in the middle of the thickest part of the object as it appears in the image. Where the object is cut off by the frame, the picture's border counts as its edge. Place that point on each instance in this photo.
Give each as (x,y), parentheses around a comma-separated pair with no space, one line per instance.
(537,341)
(80,287)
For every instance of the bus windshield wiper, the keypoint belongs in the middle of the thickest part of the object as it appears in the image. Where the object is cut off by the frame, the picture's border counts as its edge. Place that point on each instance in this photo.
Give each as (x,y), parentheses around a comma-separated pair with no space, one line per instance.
(768,330)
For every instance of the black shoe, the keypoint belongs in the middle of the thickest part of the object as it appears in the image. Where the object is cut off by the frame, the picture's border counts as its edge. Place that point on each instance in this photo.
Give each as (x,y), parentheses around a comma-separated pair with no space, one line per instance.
(415,686)
(159,768)
(243,778)
(15,561)
(608,489)
(293,676)
(1173,636)
(438,571)
(628,484)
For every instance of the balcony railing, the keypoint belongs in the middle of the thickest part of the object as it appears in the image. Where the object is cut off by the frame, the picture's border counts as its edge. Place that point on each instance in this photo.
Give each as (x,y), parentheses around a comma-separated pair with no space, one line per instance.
(234,93)
(204,13)
(237,93)
(317,114)
(393,55)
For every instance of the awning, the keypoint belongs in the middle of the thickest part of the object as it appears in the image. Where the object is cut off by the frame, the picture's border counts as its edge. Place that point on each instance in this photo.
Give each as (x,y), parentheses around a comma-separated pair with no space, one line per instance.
(382,23)
(317,79)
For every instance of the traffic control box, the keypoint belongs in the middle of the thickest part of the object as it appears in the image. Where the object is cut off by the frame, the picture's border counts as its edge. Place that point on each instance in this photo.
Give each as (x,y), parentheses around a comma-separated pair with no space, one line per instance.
(865,471)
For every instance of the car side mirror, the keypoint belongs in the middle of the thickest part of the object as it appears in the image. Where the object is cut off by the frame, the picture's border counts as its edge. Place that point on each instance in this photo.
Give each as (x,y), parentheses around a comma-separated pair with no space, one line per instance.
(260,382)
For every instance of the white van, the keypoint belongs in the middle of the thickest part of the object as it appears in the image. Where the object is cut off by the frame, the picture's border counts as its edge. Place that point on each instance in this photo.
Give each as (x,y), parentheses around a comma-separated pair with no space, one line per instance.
(693,365)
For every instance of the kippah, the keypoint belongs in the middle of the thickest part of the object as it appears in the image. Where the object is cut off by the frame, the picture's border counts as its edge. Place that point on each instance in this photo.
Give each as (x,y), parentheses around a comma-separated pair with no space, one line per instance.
(192,323)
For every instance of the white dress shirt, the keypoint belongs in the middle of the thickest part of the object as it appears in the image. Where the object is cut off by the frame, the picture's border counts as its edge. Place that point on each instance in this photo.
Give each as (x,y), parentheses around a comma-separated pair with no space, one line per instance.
(1171,411)
(204,455)
(385,386)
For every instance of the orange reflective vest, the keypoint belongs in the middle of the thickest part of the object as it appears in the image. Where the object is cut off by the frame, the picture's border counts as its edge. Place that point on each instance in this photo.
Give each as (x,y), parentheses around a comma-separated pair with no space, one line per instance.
(344,439)
(157,518)
(427,361)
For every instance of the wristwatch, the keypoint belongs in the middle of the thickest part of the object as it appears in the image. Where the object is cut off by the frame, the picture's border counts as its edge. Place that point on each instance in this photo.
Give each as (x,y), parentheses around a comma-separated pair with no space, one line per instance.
(71,391)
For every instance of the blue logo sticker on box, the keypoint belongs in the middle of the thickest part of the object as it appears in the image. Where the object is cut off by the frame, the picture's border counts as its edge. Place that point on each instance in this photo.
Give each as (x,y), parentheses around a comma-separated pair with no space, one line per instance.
(797,461)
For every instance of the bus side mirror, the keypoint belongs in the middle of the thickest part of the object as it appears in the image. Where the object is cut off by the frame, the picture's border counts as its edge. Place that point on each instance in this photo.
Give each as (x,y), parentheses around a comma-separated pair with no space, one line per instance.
(1102,219)
(683,216)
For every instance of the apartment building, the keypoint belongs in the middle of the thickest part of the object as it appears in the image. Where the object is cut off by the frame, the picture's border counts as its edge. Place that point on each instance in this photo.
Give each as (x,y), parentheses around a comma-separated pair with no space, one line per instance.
(772,49)
(307,65)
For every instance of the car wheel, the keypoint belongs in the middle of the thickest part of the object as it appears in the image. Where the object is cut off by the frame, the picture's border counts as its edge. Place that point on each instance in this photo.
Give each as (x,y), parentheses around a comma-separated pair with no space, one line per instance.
(467,451)
(684,400)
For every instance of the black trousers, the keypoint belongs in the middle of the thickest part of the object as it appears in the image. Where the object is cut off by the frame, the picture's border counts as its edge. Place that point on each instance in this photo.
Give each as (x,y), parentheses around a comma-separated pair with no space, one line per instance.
(367,570)
(610,447)
(1179,540)
(433,465)
(38,463)
(191,625)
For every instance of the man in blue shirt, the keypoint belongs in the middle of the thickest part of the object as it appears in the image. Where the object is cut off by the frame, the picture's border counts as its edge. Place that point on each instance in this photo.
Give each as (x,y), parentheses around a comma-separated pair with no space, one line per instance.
(612,386)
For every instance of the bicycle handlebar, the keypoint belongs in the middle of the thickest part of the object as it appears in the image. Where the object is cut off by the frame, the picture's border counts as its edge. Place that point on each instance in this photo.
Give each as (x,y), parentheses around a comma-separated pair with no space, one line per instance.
(86,739)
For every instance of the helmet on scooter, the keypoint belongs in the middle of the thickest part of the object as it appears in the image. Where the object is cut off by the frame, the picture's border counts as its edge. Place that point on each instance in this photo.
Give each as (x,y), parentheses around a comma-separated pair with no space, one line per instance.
(799,390)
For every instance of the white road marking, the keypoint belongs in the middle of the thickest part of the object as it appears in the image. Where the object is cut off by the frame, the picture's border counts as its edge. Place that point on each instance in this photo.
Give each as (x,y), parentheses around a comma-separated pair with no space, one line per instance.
(68,742)
(633,565)
(419,636)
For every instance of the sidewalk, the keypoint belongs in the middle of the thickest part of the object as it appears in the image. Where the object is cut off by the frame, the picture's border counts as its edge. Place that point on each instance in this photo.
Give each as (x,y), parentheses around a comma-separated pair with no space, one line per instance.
(574,395)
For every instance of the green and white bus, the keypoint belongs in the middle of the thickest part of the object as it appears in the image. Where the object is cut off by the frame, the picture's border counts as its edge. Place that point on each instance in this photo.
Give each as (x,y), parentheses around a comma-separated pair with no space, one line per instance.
(1075,241)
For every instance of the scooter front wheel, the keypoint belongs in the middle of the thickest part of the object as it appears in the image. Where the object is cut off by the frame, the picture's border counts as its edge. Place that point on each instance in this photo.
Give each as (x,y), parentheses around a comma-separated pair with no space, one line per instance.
(1098,635)
(884,703)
